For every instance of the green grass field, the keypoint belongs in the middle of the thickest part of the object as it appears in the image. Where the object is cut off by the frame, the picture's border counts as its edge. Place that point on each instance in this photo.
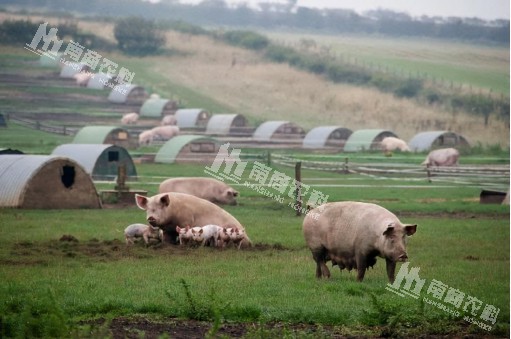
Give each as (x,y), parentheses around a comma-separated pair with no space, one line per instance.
(51,285)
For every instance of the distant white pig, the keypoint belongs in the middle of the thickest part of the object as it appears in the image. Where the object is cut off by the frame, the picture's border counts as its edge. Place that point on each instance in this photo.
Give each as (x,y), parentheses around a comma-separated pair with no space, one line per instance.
(146,232)
(168,120)
(145,138)
(390,144)
(129,119)
(442,157)
(82,79)
(165,132)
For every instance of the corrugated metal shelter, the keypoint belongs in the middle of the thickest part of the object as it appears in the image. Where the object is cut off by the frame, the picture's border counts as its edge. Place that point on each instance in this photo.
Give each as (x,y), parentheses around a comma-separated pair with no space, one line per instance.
(9,151)
(45,182)
(278,130)
(157,108)
(99,160)
(223,123)
(191,117)
(188,149)
(71,68)
(51,61)
(324,136)
(127,94)
(366,139)
(425,141)
(100,81)
(104,135)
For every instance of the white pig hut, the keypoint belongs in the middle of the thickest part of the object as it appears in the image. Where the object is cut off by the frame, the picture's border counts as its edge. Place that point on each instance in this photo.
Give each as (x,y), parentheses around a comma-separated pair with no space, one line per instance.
(104,135)
(127,94)
(326,136)
(191,117)
(45,182)
(71,68)
(224,124)
(100,81)
(366,140)
(188,149)
(100,161)
(425,141)
(157,108)
(274,130)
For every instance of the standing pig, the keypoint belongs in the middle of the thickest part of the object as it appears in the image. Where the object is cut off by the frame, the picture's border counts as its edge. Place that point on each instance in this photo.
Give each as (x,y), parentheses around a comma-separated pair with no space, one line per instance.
(390,144)
(168,120)
(165,132)
(129,119)
(442,157)
(210,189)
(169,210)
(145,138)
(146,232)
(352,234)
(206,234)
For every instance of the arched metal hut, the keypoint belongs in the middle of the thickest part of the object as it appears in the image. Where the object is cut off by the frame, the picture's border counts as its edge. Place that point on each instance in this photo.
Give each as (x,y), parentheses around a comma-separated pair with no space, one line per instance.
(127,94)
(188,149)
(45,182)
(278,130)
(104,135)
(425,141)
(225,123)
(324,136)
(157,108)
(50,60)
(99,160)
(366,139)
(100,81)
(71,68)
(191,117)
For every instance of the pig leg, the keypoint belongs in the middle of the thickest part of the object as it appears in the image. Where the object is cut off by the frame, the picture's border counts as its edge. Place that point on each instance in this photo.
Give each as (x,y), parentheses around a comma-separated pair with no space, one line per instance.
(321,268)
(391,269)
(361,262)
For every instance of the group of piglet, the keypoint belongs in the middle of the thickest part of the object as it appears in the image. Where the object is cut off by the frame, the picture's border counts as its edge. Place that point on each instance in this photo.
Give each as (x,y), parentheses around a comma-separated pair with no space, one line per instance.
(211,235)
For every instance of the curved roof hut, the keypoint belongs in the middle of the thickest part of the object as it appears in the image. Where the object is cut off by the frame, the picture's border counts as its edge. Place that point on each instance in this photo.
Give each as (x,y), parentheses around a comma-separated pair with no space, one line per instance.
(64,182)
(157,107)
(100,81)
(224,123)
(71,68)
(278,130)
(324,136)
(104,135)
(49,60)
(366,139)
(191,117)
(99,160)
(127,94)
(188,149)
(425,141)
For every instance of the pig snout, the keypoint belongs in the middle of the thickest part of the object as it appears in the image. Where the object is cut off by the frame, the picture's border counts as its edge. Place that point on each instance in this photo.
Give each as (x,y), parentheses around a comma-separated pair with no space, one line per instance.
(152,221)
(403,257)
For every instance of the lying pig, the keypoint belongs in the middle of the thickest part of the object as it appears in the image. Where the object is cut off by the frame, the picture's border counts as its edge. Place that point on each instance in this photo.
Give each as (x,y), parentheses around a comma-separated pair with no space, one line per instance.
(146,232)
(206,234)
(129,118)
(165,132)
(352,234)
(168,120)
(168,210)
(442,157)
(210,189)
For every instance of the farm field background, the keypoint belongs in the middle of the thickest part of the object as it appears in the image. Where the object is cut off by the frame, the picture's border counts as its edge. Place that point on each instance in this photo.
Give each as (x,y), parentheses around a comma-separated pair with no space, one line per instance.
(83,286)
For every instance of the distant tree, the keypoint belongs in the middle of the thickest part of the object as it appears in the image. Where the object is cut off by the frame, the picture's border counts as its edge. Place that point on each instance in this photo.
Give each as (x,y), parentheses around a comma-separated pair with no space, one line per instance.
(138,36)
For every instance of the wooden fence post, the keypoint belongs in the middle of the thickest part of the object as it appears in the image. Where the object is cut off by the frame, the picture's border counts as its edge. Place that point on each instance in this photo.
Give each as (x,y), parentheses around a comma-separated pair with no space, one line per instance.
(298,188)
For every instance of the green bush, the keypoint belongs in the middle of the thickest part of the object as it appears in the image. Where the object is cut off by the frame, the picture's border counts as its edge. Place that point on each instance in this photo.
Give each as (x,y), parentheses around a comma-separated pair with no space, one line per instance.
(18,31)
(246,39)
(137,36)
(408,89)
(339,73)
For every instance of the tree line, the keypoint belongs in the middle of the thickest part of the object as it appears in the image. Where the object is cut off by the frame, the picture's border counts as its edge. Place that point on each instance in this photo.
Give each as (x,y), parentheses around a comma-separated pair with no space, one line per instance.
(286,15)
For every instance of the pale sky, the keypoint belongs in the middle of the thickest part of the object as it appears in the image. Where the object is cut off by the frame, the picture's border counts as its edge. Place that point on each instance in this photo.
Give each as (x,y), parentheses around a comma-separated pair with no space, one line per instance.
(483,9)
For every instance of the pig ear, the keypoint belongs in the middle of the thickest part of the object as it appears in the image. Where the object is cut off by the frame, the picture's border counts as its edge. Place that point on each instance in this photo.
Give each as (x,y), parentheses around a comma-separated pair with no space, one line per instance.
(201,230)
(165,200)
(178,229)
(410,229)
(235,193)
(389,230)
(141,201)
